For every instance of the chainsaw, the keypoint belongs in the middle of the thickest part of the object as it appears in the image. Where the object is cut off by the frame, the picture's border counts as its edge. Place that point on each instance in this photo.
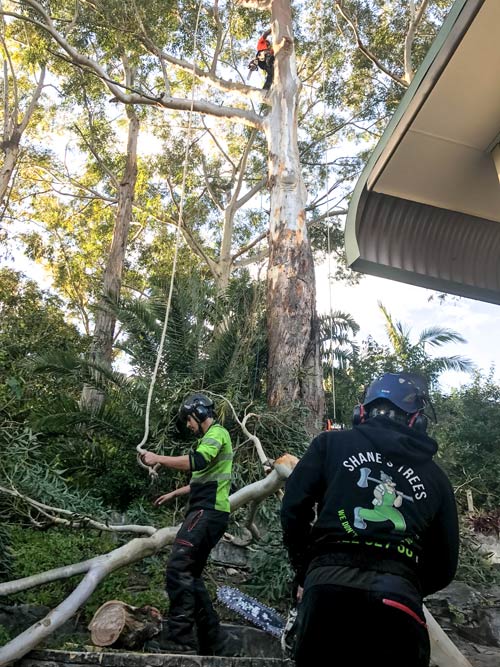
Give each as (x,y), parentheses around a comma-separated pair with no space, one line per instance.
(263,617)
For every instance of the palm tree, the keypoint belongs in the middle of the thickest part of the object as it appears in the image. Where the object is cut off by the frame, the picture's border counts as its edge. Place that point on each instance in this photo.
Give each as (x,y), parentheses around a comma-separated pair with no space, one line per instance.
(415,356)
(338,349)
(337,331)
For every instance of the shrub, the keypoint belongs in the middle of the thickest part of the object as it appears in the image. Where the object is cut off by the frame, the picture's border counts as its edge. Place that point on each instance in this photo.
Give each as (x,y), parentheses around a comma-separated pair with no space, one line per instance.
(36,551)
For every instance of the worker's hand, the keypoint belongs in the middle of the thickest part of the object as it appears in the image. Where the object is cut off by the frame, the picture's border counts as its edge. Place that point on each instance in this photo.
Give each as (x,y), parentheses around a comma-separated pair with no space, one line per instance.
(165,498)
(252,66)
(300,593)
(150,459)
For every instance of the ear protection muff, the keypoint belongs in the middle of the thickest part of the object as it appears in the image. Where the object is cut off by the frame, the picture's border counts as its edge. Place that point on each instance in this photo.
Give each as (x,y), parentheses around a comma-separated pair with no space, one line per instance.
(419,422)
(358,415)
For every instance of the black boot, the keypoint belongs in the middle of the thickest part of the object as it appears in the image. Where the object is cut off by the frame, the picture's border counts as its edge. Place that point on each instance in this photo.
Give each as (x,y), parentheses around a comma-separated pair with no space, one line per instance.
(163,643)
(223,644)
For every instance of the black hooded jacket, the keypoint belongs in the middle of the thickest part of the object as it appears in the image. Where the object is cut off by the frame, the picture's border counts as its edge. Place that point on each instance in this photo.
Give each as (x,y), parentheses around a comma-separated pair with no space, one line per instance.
(373,497)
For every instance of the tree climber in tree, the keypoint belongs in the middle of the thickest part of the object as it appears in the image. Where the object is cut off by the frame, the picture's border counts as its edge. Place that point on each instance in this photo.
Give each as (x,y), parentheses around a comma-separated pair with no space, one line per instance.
(386,533)
(264,59)
(192,623)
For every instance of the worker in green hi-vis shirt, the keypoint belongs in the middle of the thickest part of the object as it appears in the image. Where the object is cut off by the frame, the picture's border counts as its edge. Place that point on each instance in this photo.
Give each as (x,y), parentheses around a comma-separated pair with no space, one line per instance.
(192,623)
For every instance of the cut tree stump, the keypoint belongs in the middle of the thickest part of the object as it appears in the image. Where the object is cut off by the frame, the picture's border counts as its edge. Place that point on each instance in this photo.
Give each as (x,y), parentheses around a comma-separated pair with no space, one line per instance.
(118,624)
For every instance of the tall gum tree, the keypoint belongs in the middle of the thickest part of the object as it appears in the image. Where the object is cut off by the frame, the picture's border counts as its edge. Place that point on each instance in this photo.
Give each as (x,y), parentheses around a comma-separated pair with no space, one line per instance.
(293,333)
(18,105)
(101,351)
(294,359)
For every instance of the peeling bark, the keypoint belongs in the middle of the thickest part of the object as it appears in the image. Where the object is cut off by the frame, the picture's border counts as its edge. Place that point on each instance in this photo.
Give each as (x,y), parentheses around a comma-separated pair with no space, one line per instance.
(293,334)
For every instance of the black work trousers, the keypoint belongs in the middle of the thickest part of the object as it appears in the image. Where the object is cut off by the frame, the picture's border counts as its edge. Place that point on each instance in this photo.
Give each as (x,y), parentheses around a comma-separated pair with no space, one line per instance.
(267,64)
(192,620)
(339,626)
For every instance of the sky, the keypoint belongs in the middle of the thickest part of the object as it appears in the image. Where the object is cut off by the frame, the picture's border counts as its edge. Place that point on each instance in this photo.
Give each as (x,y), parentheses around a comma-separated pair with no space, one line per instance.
(476,321)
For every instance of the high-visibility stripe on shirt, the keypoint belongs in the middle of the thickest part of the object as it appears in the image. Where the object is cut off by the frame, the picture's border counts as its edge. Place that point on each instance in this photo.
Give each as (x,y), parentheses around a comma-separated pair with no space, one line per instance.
(211,465)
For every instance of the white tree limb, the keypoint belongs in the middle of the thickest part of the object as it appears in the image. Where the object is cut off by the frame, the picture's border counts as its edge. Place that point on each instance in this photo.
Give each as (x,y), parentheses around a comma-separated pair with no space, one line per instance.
(415,18)
(263,458)
(234,114)
(98,568)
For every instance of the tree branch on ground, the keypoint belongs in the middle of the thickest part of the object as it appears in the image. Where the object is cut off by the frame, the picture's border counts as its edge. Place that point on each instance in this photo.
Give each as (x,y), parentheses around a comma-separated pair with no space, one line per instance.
(97,569)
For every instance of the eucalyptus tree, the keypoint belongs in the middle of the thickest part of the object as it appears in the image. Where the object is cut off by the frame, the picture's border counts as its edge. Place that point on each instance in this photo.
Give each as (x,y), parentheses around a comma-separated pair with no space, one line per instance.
(22,85)
(160,42)
(294,365)
(101,351)
(387,40)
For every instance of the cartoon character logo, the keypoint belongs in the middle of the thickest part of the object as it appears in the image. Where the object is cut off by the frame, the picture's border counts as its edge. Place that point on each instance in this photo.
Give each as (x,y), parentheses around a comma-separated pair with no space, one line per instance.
(386,500)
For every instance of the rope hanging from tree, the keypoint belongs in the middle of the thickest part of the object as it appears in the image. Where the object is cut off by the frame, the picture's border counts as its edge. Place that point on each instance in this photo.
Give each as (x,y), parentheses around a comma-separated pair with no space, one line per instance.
(330,424)
(140,446)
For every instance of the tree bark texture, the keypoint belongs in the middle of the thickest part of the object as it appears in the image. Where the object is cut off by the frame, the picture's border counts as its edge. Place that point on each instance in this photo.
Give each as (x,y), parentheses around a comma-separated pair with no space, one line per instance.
(101,351)
(120,625)
(293,334)
(11,152)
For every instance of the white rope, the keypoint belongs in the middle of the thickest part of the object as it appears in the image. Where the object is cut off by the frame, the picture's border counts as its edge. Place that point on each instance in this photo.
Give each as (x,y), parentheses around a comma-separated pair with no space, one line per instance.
(139,448)
(330,280)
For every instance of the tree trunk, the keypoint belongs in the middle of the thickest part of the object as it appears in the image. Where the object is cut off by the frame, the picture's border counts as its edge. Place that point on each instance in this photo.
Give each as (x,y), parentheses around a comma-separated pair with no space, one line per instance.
(11,152)
(101,351)
(120,625)
(294,368)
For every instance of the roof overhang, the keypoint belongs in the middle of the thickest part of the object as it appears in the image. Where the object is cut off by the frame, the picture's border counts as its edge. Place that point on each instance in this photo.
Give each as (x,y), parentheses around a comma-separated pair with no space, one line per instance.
(426,209)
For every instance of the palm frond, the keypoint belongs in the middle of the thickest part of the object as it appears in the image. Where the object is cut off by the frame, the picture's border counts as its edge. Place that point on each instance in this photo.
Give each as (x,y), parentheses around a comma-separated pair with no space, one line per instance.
(454,363)
(437,336)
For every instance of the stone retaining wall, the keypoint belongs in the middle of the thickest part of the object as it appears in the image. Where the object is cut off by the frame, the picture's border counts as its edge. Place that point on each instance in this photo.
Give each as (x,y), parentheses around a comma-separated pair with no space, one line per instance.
(48,658)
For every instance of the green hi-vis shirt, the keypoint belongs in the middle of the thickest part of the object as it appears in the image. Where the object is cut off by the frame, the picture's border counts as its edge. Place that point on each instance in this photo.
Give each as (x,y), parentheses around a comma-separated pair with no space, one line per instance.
(211,465)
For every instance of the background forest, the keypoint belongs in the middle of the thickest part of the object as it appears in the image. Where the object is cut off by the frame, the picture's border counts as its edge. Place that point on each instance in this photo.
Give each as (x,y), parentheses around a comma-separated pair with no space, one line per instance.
(138,172)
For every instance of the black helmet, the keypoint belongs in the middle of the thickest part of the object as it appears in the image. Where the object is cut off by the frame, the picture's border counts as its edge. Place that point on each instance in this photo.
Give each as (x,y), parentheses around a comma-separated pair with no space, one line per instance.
(198,406)
(406,391)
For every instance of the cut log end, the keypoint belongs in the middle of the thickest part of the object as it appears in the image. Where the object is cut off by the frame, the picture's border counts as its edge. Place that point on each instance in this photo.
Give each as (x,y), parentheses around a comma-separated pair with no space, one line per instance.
(108,623)
(119,624)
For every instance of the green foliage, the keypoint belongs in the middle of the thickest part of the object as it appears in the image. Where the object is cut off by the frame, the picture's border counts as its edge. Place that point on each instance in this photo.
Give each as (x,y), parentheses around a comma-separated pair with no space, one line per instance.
(415,357)
(468,432)
(5,552)
(32,321)
(27,470)
(475,567)
(355,368)
(38,551)
(63,212)
(271,574)
(4,636)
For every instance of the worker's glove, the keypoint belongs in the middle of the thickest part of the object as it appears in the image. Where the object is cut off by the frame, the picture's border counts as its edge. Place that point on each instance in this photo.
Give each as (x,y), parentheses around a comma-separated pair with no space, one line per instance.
(252,66)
